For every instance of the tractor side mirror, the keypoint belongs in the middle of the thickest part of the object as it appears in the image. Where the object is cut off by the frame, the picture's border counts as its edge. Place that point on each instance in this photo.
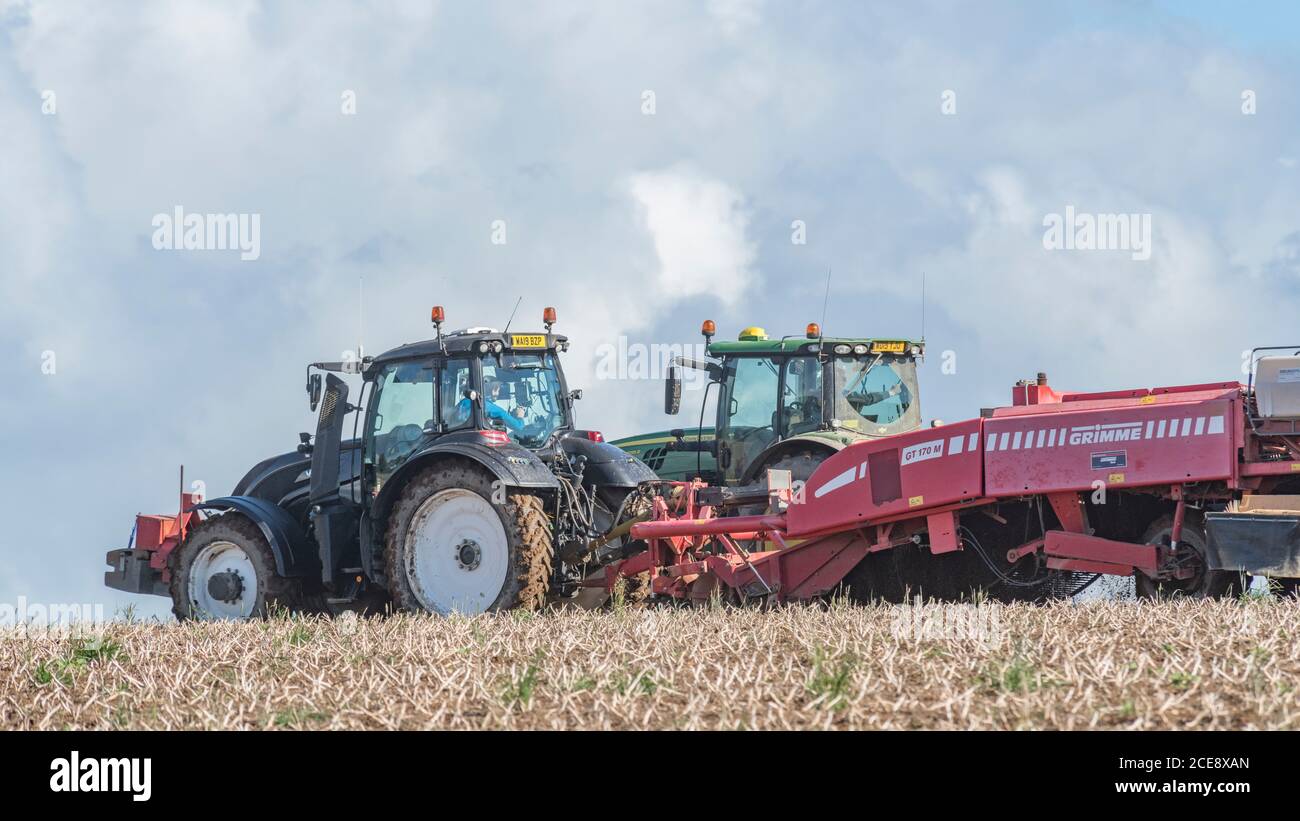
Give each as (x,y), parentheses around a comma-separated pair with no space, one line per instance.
(672,392)
(313,390)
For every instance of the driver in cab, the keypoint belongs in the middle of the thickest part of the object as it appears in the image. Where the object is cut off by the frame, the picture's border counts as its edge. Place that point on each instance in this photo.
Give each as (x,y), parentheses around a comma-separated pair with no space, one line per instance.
(513,417)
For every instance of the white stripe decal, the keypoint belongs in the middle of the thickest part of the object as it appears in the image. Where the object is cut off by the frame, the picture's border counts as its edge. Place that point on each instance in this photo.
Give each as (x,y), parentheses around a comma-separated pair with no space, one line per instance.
(862,471)
(1015,440)
(974,438)
(1200,425)
(1216,424)
(1051,438)
(1150,426)
(1042,434)
(836,483)
(1160,430)
(1187,426)
(991,441)
(1002,443)
(954,445)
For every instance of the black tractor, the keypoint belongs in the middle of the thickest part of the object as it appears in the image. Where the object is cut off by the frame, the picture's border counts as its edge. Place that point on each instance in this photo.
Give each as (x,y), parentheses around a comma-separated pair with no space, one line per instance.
(470,488)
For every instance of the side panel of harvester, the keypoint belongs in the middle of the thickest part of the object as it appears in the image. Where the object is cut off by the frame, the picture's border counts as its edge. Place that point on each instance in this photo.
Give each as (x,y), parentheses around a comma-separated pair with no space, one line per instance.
(888,477)
(1158,439)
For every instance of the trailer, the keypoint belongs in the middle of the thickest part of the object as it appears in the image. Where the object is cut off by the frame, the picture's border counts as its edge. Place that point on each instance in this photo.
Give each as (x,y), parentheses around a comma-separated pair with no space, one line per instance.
(1034,499)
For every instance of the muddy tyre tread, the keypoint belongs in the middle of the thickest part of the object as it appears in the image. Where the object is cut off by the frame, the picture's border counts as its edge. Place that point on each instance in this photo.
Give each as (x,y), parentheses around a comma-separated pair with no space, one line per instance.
(526,523)
(277,592)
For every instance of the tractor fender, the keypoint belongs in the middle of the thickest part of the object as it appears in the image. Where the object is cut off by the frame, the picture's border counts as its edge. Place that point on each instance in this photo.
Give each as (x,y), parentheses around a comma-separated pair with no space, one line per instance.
(607,465)
(295,555)
(786,447)
(510,464)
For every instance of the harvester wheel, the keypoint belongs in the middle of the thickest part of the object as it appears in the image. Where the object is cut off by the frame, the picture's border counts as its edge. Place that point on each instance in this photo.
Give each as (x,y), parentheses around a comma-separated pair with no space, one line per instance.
(225,570)
(450,548)
(1205,584)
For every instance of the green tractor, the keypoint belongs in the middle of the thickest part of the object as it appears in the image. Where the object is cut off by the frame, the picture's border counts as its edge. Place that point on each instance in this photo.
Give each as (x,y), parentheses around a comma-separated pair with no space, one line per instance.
(784,404)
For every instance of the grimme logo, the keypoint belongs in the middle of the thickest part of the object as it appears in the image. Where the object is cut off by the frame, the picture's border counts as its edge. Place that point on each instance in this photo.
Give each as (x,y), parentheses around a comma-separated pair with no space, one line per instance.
(1092,434)
(77,774)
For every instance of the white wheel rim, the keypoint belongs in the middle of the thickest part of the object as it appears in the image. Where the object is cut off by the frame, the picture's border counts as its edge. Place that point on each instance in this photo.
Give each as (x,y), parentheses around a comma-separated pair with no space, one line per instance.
(457,553)
(215,559)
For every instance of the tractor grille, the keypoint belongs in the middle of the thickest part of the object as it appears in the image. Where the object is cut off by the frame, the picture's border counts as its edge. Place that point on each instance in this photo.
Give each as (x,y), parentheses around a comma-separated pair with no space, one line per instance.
(328,407)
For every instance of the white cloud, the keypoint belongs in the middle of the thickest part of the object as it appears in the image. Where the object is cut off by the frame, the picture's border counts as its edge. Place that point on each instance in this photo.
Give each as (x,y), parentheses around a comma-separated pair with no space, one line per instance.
(629,224)
(698,226)
(736,17)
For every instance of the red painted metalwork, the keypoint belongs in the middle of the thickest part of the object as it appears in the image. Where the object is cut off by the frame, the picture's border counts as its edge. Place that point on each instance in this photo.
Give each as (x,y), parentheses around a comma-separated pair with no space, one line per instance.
(161,534)
(1078,546)
(879,494)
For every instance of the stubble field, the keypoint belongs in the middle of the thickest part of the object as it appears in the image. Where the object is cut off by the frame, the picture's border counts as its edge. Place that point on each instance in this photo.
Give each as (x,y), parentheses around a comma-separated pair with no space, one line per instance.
(1130,665)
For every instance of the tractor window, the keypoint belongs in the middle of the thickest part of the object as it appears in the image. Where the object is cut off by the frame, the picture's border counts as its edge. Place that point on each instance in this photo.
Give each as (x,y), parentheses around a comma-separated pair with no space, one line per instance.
(523,396)
(876,395)
(403,409)
(455,380)
(753,393)
(751,411)
(801,396)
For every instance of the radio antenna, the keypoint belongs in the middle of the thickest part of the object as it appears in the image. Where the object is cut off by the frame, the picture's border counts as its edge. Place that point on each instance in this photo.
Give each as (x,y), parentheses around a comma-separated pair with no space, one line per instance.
(923,306)
(826,299)
(512,315)
(361,317)
(821,328)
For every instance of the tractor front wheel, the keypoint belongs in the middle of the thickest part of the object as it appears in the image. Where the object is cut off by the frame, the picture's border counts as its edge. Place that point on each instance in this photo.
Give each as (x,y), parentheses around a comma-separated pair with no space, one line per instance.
(451,548)
(1203,583)
(225,570)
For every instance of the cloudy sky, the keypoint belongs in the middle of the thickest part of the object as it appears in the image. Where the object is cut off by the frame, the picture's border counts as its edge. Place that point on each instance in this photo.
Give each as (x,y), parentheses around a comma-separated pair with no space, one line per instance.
(646,165)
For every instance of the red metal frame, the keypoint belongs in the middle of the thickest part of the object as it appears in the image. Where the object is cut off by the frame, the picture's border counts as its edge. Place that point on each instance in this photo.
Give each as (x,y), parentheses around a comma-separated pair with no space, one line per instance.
(882,493)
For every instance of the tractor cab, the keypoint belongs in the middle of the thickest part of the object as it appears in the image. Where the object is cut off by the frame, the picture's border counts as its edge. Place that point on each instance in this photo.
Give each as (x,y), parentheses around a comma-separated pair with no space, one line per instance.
(478,384)
(789,399)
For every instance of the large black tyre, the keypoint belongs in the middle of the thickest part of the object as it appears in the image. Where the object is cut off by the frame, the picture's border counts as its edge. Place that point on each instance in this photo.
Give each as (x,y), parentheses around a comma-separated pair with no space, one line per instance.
(441,532)
(1206,584)
(225,570)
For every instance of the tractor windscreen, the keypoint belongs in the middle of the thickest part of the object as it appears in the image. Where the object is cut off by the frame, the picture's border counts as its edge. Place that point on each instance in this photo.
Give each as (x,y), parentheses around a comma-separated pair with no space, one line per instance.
(522,395)
(877,395)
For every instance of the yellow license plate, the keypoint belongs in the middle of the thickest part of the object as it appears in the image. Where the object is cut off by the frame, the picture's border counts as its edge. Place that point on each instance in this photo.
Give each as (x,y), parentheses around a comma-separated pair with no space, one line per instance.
(888,347)
(527,341)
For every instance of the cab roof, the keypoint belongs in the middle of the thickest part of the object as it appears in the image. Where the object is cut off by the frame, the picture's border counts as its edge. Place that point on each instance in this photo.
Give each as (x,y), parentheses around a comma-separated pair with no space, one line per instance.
(799,344)
(460,343)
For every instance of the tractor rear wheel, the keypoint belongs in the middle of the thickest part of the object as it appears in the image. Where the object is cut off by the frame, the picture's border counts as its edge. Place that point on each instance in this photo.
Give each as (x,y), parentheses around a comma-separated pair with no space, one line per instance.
(450,548)
(1204,583)
(225,570)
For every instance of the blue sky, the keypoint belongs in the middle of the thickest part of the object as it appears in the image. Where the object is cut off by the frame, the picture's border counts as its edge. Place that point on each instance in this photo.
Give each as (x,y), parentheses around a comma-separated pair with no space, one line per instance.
(633,224)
